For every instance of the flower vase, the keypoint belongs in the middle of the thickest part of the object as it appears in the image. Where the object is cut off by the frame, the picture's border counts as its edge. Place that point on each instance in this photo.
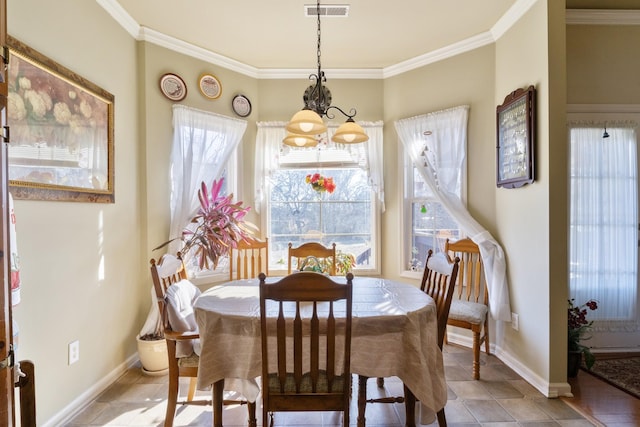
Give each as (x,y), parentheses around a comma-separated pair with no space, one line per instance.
(574,360)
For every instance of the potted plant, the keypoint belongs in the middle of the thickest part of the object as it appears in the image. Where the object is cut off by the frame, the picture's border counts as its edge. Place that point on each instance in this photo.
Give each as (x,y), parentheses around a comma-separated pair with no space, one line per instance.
(217,226)
(344,264)
(578,330)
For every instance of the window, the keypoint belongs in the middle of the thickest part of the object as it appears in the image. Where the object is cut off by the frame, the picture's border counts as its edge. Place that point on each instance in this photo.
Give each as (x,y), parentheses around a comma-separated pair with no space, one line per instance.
(603,222)
(297,213)
(428,224)
(204,148)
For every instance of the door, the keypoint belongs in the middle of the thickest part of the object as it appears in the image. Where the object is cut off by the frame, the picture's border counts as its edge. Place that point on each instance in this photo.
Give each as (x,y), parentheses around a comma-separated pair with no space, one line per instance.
(7,412)
(604,261)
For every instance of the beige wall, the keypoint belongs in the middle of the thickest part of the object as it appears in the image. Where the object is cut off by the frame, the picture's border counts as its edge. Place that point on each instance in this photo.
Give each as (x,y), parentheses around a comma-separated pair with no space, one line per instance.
(81,262)
(602,64)
(522,214)
(533,218)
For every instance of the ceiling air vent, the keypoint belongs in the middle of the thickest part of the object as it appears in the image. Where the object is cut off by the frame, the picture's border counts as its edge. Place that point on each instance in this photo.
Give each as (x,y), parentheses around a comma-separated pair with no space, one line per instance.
(329,10)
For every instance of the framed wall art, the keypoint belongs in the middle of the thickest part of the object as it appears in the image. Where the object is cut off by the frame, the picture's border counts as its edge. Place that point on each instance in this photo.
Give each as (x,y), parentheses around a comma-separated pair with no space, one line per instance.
(516,122)
(61,131)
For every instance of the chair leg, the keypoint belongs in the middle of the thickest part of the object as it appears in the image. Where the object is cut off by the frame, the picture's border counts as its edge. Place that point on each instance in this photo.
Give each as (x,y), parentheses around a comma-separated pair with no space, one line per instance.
(192,389)
(362,399)
(345,416)
(380,382)
(409,407)
(218,391)
(251,407)
(486,337)
(172,399)
(442,420)
(476,355)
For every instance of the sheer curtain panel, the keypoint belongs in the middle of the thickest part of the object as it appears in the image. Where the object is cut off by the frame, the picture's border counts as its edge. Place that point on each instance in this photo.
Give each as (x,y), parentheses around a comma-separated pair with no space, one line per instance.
(439,157)
(603,248)
(202,144)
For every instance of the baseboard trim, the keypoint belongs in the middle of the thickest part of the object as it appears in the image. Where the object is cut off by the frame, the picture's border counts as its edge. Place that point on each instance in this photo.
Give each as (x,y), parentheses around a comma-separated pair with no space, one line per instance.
(550,390)
(82,401)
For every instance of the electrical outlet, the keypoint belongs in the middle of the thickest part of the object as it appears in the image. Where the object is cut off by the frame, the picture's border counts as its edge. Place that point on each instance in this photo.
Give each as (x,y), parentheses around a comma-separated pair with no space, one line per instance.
(515,321)
(74,352)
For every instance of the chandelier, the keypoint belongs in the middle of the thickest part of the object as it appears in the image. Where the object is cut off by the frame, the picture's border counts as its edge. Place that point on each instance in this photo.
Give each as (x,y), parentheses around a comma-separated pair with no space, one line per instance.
(307,123)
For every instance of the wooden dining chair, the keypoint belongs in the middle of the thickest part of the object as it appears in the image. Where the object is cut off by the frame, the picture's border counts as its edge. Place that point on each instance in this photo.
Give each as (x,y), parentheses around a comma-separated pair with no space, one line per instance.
(438,281)
(313,252)
(470,306)
(306,346)
(173,291)
(249,259)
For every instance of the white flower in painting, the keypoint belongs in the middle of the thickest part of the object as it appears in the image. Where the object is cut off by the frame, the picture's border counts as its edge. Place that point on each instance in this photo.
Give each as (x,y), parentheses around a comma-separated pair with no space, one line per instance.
(72,94)
(38,104)
(62,113)
(46,98)
(85,109)
(24,83)
(76,124)
(15,107)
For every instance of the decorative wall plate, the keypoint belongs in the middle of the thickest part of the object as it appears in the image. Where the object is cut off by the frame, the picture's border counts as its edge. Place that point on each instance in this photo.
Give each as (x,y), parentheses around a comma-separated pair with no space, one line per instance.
(210,86)
(173,87)
(241,105)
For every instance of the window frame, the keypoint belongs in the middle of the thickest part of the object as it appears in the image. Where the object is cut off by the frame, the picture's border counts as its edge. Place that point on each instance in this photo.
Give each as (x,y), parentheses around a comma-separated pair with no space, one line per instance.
(406,223)
(375,213)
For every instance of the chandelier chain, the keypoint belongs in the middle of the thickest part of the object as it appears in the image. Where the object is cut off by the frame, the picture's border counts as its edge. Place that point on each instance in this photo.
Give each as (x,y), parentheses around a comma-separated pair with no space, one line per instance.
(318,33)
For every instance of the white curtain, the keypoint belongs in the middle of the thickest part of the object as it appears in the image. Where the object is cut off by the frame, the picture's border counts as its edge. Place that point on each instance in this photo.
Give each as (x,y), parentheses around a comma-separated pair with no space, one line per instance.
(439,157)
(202,144)
(603,246)
(269,147)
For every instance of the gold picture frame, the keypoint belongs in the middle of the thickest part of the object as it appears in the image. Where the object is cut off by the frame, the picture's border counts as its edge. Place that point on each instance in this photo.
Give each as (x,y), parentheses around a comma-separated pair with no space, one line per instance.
(61,131)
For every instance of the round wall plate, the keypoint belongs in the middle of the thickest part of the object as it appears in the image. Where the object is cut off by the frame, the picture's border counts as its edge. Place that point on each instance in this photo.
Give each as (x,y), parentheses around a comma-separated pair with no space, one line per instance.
(241,105)
(173,87)
(210,86)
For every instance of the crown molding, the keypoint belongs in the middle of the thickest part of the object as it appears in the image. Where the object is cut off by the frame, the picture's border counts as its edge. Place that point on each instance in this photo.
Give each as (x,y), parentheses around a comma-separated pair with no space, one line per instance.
(121,16)
(439,54)
(141,33)
(512,16)
(602,17)
(171,43)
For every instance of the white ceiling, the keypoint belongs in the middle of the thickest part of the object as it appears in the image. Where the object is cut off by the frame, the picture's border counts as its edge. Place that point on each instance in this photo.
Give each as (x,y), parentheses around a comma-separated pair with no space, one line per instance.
(275,34)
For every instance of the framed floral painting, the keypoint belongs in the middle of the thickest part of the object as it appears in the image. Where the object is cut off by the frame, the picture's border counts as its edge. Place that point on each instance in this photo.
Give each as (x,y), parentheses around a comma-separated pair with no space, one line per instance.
(61,131)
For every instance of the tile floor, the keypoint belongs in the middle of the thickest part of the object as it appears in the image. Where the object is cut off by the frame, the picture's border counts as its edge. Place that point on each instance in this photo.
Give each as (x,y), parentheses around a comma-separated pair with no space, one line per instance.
(500,398)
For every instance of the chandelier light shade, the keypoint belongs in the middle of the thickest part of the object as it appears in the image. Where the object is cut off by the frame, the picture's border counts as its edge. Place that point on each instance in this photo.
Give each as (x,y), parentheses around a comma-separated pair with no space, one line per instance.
(317,104)
(296,140)
(349,133)
(306,122)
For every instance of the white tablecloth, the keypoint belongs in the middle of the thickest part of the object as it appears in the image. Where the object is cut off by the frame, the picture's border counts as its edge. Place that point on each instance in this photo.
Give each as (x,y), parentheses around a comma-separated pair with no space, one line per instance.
(394,333)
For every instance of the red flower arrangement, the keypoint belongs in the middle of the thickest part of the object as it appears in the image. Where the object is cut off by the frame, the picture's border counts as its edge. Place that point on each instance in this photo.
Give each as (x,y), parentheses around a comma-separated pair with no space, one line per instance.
(320,183)
(579,328)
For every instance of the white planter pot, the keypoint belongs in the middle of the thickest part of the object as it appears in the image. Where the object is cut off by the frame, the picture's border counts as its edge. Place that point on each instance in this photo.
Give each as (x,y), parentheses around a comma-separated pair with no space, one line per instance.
(153,356)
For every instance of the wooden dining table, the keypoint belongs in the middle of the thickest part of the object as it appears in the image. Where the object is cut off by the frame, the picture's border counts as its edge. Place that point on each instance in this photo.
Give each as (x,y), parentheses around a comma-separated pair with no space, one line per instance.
(394,333)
